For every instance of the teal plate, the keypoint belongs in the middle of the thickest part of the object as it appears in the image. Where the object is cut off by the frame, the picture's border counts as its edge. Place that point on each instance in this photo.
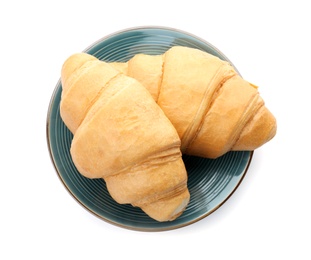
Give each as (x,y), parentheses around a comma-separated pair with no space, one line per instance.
(210,182)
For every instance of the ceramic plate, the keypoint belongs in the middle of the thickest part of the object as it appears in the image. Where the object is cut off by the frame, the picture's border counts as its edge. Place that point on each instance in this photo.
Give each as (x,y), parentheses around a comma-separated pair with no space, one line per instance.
(210,182)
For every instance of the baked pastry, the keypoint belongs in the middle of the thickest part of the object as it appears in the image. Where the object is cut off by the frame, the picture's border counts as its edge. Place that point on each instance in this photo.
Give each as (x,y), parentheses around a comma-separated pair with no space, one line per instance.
(121,135)
(213,109)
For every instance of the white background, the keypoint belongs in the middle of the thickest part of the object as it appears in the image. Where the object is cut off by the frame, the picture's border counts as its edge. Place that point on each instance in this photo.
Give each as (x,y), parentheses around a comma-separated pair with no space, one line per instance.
(268,217)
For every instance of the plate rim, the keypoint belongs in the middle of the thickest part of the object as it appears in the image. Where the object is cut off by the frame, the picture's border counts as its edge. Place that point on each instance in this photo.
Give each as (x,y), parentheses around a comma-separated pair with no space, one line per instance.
(115,223)
(167,28)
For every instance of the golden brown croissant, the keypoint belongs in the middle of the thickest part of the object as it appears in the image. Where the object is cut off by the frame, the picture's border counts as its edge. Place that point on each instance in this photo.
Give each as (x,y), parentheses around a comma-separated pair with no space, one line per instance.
(122,136)
(212,108)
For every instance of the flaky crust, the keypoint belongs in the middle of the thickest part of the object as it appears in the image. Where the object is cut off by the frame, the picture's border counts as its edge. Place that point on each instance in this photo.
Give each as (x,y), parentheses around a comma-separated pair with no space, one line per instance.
(122,136)
(212,108)
(82,80)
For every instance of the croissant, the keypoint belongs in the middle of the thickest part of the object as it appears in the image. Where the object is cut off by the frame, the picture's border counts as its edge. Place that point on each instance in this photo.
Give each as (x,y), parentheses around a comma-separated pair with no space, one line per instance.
(121,135)
(212,108)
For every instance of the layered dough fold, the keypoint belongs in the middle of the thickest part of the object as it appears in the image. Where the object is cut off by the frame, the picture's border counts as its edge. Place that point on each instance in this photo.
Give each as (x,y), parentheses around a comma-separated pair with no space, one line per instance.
(122,136)
(213,109)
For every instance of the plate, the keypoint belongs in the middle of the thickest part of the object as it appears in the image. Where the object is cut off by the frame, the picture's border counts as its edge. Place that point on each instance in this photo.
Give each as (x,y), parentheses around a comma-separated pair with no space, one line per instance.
(210,181)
